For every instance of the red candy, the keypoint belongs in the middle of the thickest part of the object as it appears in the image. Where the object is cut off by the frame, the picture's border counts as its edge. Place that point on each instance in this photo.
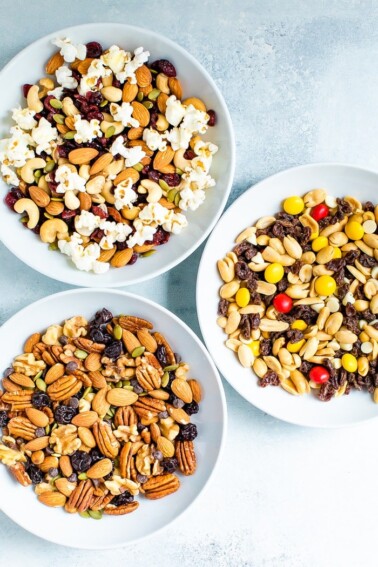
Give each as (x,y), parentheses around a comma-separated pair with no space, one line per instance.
(319,212)
(283,303)
(319,374)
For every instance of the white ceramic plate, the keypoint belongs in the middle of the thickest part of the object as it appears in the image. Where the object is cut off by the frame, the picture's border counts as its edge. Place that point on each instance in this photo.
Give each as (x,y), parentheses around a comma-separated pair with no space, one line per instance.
(55,525)
(265,198)
(28,67)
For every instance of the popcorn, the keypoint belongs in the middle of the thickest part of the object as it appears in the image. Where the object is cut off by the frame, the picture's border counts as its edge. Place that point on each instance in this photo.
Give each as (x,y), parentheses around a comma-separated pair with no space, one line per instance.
(24,118)
(132,155)
(124,195)
(68,180)
(155,140)
(86,131)
(122,113)
(70,51)
(65,78)
(128,72)
(43,136)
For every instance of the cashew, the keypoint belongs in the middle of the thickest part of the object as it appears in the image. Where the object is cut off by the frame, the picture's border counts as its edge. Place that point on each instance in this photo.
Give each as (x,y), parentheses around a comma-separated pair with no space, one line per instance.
(42,184)
(84,171)
(112,94)
(98,199)
(180,161)
(118,126)
(95,185)
(33,100)
(154,190)
(107,194)
(53,229)
(68,107)
(162,83)
(28,206)
(47,85)
(162,123)
(114,168)
(27,171)
(71,201)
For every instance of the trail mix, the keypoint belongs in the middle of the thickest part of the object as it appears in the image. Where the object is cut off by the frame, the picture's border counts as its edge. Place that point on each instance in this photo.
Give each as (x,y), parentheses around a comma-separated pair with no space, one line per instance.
(300,298)
(95,413)
(107,155)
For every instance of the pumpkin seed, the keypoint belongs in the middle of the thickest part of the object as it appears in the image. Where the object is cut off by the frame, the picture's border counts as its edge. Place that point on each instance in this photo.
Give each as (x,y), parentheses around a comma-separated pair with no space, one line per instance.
(103,103)
(87,391)
(56,199)
(37,174)
(38,375)
(117,332)
(95,514)
(55,103)
(165,379)
(128,388)
(119,385)
(148,104)
(140,97)
(82,476)
(164,185)
(48,216)
(49,166)
(179,171)
(126,383)
(138,166)
(148,253)
(80,354)
(53,246)
(84,514)
(138,351)
(47,429)
(54,427)
(177,199)
(24,220)
(41,384)
(59,118)
(153,71)
(171,195)
(70,135)
(110,132)
(154,94)
(171,368)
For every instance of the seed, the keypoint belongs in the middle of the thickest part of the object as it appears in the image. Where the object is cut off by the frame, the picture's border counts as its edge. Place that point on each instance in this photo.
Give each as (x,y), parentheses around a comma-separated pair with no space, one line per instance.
(148,104)
(55,103)
(53,246)
(95,514)
(41,384)
(70,135)
(84,514)
(164,185)
(49,166)
(179,171)
(148,253)
(117,332)
(177,199)
(171,368)
(171,195)
(154,94)
(138,167)
(103,103)
(37,375)
(80,354)
(37,174)
(47,216)
(165,380)
(87,391)
(138,351)
(110,132)
(59,118)
(82,476)
(140,97)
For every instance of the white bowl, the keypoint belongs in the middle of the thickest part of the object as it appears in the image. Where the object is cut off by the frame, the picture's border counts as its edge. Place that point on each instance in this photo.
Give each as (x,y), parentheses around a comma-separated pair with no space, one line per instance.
(28,67)
(265,198)
(55,525)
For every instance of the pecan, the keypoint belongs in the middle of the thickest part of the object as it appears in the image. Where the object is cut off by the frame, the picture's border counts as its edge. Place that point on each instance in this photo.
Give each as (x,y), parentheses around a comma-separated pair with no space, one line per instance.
(19,472)
(147,407)
(88,345)
(125,416)
(81,497)
(83,377)
(121,510)
(48,358)
(38,350)
(31,342)
(99,502)
(186,457)
(64,388)
(125,459)
(22,427)
(106,441)
(97,379)
(148,376)
(160,486)
(133,323)
(162,341)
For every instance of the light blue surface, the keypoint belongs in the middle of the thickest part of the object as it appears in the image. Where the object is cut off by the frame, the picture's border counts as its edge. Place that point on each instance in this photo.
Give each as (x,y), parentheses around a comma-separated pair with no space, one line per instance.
(300,79)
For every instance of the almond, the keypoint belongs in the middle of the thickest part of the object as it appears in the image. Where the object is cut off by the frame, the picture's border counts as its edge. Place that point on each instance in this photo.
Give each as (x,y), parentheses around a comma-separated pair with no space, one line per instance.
(52,499)
(196,102)
(135,133)
(65,464)
(98,380)
(179,415)
(86,437)
(128,173)
(55,372)
(129,92)
(119,397)
(37,417)
(100,163)
(82,155)
(130,341)
(37,444)
(22,380)
(9,386)
(165,446)
(65,486)
(85,419)
(49,462)
(31,342)
(84,65)
(69,123)
(140,113)
(55,208)
(175,87)
(196,390)
(85,201)
(100,469)
(143,76)
(99,403)
(147,340)
(163,158)
(121,258)
(162,102)
(54,63)
(182,390)
(39,196)
(93,360)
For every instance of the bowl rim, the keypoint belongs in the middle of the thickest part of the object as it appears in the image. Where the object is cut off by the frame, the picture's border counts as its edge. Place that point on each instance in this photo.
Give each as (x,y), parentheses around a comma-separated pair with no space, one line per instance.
(202,270)
(223,408)
(229,126)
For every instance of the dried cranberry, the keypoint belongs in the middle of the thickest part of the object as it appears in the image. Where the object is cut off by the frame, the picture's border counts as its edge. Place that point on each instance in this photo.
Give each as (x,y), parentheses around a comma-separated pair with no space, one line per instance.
(3,418)
(81,461)
(64,414)
(161,355)
(35,474)
(213,118)
(96,210)
(97,234)
(154,175)
(171,179)
(164,66)
(189,154)
(169,464)
(10,200)
(94,97)
(160,236)
(67,215)
(187,432)
(95,115)
(94,49)
(133,259)
(40,400)
(25,89)
(113,350)
(191,408)
(47,105)
(124,498)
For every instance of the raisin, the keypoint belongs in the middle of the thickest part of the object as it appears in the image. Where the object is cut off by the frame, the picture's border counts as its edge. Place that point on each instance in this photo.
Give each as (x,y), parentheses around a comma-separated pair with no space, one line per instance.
(40,400)
(269,379)
(169,464)
(124,498)
(161,355)
(103,316)
(326,392)
(241,270)
(64,414)
(187,432)
(265,347)
(81,461)
(36,475)
(113,350)
(191,408)
(3,418)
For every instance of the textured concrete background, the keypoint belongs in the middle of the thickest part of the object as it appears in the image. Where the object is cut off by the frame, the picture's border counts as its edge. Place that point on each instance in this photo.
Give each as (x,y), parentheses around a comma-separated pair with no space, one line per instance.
(301,83)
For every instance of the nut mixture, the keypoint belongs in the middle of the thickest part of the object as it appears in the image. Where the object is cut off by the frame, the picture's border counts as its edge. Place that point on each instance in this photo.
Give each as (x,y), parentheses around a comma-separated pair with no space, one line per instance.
(95,413)
(107,155)
(299,301)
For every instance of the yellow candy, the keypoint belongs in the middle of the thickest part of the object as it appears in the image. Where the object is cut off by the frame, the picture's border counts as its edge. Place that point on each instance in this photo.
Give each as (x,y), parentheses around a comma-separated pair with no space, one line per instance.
(314,235)
(364,337)
(319,243)
(255,347)
(349,362)
(274,273)
(325,285)
(299,324)
(295,347)
(336,253)
(242,297)
(293,205)
(354,230)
